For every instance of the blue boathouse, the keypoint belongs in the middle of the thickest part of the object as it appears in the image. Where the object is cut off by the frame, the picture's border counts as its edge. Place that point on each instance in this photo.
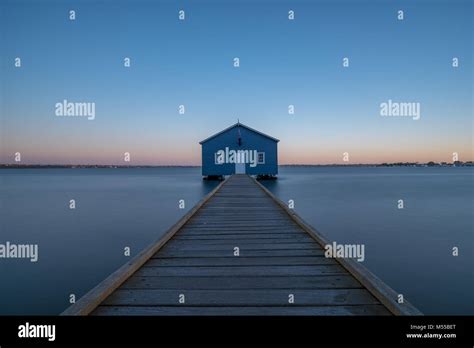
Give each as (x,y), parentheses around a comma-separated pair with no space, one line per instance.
(239,149)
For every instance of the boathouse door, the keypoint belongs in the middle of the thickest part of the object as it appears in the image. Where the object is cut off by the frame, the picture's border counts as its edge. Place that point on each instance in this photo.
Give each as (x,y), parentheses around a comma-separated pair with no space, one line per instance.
(240,168)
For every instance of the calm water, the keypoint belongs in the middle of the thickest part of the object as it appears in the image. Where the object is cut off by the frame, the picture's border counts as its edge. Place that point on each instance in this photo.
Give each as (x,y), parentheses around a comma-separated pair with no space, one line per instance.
(409,249)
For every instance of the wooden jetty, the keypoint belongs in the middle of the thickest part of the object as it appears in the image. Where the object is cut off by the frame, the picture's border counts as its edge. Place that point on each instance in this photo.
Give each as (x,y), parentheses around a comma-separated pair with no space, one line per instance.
(193,270)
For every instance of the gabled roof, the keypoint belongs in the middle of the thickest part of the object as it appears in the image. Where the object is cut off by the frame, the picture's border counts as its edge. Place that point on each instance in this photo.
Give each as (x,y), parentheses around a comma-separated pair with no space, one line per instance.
(238,124)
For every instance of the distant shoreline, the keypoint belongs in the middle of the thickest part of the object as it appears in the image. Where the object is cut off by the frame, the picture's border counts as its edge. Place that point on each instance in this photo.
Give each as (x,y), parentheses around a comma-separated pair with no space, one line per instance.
(398,164)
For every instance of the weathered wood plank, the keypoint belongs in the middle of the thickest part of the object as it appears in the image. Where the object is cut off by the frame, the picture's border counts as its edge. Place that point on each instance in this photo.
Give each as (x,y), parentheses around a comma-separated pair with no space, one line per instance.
(235,229)
(297,237)
(241,224)
(261,297)
(176,245)
(241,311)
(241,261)
(254,221)
(244,252)
(243,242)
(341,281)
(237,271)
(255,216)
(229,234)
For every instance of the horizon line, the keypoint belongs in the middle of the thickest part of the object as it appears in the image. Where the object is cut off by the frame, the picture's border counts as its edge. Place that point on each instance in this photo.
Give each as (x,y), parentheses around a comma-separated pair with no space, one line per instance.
(197,166)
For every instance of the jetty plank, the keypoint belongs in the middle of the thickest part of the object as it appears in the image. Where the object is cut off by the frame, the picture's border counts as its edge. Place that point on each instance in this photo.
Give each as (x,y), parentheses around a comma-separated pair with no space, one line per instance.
(246,237)
(237,271)
(340,281)
(243,311)
(279,255)
(221,297)
(190,246)
(230,253)
(241,261)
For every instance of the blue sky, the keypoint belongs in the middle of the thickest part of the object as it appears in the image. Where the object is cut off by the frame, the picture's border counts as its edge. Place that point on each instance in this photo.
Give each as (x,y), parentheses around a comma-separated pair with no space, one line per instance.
(190,62)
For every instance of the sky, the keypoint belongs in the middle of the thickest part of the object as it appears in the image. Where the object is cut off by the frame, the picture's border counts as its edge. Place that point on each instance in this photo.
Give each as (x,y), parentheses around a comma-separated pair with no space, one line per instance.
(282,62)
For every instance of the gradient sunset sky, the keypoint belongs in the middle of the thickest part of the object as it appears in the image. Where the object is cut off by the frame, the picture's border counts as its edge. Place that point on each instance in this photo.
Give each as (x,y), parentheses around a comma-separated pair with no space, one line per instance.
(190,62)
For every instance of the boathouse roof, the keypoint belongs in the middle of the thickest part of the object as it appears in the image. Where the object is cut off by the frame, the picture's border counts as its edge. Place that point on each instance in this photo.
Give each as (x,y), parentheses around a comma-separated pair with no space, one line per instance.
(238,124)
